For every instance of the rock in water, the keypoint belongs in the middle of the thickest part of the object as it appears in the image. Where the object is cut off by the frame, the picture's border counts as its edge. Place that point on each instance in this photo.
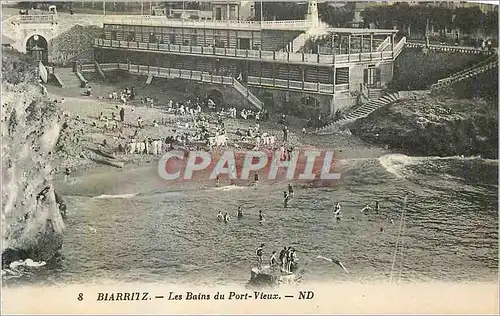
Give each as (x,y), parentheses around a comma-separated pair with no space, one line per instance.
(32,226)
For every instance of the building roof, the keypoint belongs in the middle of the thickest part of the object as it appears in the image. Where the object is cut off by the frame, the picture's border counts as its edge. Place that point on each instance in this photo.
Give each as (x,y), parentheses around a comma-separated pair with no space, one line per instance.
(6,40)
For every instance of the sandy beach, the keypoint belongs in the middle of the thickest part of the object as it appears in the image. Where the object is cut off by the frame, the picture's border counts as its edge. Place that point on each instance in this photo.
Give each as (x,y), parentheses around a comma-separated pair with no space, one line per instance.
(85,132)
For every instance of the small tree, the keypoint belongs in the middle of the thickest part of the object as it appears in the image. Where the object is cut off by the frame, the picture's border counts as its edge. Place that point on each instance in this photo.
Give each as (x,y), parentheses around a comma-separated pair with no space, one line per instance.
(467,20)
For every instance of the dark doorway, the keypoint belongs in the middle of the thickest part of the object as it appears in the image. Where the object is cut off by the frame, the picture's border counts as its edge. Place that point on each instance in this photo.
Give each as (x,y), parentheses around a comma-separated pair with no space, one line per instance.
(243,43)
(371,77)
(216,96)
(218,14)
(37,48)
(311,107)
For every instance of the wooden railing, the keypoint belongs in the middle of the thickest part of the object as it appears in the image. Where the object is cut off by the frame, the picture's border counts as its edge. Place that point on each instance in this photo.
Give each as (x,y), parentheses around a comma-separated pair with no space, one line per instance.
(321,88)
(451,49)
(251,54)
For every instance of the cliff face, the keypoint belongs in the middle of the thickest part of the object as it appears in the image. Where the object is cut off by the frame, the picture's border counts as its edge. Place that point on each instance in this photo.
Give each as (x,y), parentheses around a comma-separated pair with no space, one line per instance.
(434,126)
(32,225)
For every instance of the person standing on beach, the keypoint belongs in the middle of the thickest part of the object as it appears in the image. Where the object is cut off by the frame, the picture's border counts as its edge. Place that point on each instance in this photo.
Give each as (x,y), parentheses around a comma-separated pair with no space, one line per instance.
(67,173)
(285,134)
(259,253)
(240,212)
(282,257)
(122,114)
(273,260)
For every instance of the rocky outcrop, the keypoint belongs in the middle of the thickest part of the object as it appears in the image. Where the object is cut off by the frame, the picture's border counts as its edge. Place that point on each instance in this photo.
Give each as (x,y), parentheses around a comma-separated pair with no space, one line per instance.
(434,126)
(32,223)
(74,45)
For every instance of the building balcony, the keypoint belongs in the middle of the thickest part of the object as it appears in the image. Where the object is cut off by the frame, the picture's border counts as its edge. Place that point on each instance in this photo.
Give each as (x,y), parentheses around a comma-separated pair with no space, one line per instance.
(269,56)
(162,72)
(161,21)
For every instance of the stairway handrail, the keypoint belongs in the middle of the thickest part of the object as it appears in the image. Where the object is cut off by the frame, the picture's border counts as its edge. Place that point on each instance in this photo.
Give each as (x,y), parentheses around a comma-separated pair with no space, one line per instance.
(247,93)
(491,59)
(384,44)
(399,46)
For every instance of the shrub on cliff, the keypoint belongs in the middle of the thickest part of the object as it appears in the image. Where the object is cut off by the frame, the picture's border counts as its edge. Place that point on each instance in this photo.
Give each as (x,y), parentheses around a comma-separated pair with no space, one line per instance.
(76,43)
(18,68)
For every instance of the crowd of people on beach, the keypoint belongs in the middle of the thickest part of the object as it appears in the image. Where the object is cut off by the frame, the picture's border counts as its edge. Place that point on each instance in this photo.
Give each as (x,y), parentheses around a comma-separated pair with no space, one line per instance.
(195,126)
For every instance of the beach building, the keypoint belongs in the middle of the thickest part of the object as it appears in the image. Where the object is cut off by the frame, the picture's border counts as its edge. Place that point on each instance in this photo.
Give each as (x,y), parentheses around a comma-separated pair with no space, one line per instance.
(325,69)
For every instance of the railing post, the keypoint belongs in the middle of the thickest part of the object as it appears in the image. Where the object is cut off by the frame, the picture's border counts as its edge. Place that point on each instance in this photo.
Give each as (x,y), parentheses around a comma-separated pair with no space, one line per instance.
(274,55)
(157,46)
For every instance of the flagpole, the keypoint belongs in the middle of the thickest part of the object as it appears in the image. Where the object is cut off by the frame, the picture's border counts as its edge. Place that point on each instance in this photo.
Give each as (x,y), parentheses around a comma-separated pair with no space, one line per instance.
(261,13)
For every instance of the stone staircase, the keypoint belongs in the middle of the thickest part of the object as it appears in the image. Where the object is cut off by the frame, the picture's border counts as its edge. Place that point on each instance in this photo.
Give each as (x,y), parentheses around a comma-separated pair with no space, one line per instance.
(374,94)
(479,68)
(67,78)
(359,112)
(247,94)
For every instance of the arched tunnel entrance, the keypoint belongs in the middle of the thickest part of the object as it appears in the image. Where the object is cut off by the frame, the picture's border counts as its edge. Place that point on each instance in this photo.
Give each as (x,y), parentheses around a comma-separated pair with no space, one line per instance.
(38,48)
(216,96)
